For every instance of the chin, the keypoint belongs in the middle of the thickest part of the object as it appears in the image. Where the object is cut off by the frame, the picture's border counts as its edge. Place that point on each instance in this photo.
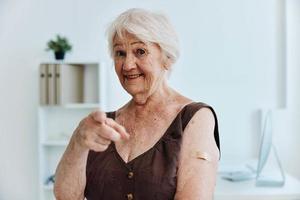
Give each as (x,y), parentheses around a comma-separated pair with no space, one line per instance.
(133,90)
(139,95)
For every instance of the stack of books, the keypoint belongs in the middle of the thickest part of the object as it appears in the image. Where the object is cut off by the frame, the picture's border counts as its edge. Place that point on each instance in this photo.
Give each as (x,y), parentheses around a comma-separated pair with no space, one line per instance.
(61,84)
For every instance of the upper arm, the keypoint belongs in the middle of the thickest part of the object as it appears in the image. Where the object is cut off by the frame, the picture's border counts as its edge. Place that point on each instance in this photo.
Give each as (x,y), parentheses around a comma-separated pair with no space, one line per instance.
(198,159)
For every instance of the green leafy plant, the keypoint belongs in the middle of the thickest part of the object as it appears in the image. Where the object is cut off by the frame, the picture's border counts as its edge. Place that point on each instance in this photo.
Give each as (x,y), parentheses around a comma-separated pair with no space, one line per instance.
(60,44)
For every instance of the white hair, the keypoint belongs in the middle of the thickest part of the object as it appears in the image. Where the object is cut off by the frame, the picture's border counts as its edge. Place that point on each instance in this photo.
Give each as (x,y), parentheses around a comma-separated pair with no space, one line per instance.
(148,27)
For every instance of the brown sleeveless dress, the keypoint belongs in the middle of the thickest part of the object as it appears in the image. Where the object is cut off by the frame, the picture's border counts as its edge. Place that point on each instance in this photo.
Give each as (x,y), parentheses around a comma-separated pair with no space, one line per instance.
(150,176)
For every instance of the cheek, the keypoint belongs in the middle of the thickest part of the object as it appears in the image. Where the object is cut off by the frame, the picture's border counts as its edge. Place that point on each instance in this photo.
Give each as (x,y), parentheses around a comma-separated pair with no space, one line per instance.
(152,65)
(154,70)
(118,70)
(153,78)
(118,66)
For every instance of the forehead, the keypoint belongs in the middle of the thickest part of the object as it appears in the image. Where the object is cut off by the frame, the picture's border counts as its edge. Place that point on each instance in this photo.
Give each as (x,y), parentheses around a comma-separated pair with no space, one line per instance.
(127,38)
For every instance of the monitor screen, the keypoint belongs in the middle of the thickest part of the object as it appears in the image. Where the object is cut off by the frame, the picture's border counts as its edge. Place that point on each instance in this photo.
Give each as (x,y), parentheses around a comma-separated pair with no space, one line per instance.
(266,146)
(265,142)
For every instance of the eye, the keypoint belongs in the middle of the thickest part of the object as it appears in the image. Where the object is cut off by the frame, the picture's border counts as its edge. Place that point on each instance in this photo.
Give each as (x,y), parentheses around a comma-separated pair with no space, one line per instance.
(120,53)
(140,52)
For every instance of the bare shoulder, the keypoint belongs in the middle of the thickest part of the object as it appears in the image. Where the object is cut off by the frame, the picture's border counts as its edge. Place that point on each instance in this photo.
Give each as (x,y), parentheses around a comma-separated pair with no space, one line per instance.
(199,135)
(204,118)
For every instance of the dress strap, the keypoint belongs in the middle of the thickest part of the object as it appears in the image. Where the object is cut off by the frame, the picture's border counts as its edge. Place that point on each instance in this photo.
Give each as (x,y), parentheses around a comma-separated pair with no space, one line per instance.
(111,114)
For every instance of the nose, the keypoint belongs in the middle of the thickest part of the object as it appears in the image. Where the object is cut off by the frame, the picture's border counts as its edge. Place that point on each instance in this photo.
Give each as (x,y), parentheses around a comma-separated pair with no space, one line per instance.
(129,63)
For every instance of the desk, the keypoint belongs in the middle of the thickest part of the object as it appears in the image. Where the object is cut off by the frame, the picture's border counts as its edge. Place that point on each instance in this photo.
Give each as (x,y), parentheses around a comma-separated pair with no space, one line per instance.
(246,190)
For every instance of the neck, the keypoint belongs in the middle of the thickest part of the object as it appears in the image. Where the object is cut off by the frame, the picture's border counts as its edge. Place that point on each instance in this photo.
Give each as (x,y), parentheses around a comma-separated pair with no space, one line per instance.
(155,102)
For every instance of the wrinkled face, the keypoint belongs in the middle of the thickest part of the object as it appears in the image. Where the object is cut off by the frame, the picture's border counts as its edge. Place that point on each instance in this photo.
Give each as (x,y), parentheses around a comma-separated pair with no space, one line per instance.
(139,65)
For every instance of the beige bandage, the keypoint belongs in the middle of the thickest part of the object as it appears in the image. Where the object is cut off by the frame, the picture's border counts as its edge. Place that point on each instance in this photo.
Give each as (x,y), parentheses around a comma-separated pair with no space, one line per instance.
(202,156)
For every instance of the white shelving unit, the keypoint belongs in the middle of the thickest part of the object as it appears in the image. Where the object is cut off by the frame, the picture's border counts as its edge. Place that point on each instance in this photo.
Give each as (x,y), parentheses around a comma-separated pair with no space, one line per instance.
(56,123)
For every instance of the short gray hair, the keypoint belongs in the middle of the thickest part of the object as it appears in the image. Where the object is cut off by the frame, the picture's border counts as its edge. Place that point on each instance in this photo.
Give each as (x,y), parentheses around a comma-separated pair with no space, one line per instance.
(147,26)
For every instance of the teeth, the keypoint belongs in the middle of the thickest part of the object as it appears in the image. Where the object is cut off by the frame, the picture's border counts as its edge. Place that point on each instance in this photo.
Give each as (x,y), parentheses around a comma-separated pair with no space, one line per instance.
(133,75)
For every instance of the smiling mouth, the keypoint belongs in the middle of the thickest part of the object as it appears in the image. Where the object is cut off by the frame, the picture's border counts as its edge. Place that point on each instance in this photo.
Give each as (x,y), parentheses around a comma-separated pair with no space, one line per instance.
(132,76)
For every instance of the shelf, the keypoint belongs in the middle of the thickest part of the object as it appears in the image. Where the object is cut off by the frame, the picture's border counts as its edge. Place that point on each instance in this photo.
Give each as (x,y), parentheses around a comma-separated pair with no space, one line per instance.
(75,106)
(72,62)
(53,143)
(81,105)
(69,92)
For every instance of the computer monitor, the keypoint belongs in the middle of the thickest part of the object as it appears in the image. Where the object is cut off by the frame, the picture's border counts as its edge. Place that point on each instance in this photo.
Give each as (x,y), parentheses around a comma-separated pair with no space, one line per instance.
(266,146)
(249,172)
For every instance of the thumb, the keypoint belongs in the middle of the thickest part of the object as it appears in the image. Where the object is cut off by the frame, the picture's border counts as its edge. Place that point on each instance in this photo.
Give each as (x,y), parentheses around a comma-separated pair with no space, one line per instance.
(119,128)
(99,116)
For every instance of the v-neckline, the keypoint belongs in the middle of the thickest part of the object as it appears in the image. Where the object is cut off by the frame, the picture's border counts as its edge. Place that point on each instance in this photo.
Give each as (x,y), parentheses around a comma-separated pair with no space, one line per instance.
(153,147)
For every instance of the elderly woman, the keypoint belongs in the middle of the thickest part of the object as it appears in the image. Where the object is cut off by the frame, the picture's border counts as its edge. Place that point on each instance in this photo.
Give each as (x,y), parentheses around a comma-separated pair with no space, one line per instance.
(160,145)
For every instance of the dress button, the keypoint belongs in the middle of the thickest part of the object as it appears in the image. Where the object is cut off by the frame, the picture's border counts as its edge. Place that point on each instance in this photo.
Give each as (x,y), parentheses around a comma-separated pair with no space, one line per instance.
(130,175)
(129,196)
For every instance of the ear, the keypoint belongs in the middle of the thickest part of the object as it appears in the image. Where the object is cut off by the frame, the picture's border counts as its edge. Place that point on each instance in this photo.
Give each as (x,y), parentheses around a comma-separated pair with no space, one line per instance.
(167,63)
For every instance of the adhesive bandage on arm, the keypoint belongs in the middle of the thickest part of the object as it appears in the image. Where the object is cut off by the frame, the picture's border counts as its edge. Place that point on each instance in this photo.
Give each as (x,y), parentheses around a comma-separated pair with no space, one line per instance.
(202,156)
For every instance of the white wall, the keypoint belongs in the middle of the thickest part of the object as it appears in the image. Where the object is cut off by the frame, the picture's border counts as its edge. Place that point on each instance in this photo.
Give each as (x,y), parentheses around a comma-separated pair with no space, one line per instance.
(290,120)
(293,49)
(231,58)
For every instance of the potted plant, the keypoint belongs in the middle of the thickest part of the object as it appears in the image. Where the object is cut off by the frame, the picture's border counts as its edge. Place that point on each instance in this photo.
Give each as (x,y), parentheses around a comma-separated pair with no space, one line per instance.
(59,46)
